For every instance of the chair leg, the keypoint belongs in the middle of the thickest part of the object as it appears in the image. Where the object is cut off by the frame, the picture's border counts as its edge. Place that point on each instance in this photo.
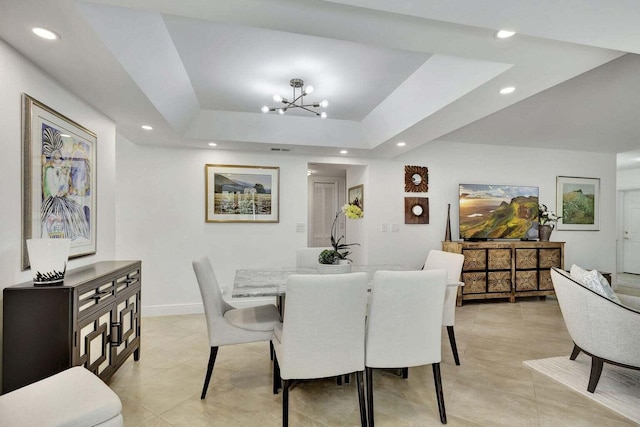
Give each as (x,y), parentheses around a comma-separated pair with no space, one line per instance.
(285,402)
(271,350)
(439,393)
(405,373)
(575,352)
(212,361)
(369,375)
(361,402)
(277,381)
(596,370)
(454,347)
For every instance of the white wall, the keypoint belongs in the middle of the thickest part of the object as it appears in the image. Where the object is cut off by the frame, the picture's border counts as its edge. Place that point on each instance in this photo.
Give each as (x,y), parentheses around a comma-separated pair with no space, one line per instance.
(628,179)
(18,76)
(161,210)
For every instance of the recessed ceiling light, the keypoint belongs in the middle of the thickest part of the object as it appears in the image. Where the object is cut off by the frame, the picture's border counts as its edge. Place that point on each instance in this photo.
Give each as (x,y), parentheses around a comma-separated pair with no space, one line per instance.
(505,34)
(401,144)
(213,144)
(65,135)
(507,90)
(146,127)
(45,34)
(343,151)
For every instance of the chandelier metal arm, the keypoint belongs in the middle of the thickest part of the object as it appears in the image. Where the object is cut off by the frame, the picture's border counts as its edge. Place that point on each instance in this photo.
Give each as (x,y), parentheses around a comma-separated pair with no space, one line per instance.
(296,84)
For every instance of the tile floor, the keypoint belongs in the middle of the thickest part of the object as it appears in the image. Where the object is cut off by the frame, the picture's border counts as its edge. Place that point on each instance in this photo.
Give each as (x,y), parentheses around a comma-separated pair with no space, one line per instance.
(491,387)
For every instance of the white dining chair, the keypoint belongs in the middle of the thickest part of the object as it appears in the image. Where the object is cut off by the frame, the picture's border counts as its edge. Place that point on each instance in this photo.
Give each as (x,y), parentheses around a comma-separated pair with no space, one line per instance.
(404,326)
(226,324)
(451,262)
(308,257)
(322,334)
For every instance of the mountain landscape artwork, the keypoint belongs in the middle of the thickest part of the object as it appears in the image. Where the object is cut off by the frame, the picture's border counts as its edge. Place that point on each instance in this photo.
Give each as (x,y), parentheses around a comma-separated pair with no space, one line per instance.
(498,212)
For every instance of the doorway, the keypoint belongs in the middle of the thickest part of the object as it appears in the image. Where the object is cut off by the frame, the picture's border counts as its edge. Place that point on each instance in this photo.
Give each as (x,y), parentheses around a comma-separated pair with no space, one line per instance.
(631,232)
(326,190)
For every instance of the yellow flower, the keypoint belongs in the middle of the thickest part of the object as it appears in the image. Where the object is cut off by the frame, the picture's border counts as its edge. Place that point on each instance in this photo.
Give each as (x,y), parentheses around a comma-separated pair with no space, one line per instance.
(352,211)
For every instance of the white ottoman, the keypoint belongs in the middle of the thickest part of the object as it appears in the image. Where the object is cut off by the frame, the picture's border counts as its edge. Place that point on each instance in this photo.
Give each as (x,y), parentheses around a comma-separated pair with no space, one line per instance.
(74,397)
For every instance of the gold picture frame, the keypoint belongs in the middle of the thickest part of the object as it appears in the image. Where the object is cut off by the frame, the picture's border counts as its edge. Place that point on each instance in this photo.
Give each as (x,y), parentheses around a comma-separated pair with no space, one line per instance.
(235,193)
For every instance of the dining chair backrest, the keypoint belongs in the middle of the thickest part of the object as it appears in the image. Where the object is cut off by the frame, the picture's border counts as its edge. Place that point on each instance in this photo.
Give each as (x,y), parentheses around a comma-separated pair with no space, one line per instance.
(308,257)
(449,261)
(214,305)
(404,323)
(324,325)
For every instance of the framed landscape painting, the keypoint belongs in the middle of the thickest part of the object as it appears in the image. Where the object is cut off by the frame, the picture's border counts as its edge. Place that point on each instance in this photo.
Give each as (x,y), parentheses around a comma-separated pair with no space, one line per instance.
(241,193)
(59,179)
(578,203)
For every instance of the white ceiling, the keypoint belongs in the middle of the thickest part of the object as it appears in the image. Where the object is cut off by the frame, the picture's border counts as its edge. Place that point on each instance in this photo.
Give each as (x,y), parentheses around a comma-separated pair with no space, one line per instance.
(393,70)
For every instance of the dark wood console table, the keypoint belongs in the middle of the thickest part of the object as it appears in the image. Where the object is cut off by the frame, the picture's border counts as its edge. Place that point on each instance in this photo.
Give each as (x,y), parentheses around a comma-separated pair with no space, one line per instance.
(92,319)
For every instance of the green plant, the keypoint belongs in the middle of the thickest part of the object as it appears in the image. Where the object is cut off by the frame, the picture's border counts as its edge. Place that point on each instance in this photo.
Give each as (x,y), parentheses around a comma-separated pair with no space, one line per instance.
(546,216)
(329,256)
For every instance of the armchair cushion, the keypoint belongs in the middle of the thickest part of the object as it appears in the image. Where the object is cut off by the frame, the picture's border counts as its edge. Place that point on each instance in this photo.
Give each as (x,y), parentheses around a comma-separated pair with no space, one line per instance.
(593,280)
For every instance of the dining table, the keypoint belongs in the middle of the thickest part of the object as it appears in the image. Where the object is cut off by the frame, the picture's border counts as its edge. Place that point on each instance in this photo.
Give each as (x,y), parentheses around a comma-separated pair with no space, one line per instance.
(272,282)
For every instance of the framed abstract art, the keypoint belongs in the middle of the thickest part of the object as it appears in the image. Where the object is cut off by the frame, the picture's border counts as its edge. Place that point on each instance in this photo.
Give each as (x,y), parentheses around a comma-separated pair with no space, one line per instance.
(59,190)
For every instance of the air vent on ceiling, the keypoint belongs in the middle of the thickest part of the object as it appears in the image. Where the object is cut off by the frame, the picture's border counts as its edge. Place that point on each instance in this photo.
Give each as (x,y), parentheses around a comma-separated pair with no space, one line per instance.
(280,149)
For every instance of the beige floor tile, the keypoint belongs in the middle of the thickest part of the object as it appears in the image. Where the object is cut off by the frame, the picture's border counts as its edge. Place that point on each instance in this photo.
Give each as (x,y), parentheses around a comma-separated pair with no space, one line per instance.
(491,387)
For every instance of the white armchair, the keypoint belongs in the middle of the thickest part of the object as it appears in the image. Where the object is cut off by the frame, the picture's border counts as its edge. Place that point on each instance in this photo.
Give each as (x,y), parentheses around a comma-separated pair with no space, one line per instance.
(226,324)
(599,327)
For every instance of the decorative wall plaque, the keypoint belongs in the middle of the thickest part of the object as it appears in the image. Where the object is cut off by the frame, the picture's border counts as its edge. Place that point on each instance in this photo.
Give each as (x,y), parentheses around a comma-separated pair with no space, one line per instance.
(416,179)
(416,210)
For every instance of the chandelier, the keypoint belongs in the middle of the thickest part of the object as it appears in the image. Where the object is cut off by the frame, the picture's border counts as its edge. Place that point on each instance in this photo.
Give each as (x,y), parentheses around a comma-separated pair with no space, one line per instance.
(299,92)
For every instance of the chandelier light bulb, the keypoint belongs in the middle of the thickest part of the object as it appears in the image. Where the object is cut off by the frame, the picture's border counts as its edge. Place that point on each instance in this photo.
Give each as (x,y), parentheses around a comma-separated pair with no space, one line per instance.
(297,100)
(323,115)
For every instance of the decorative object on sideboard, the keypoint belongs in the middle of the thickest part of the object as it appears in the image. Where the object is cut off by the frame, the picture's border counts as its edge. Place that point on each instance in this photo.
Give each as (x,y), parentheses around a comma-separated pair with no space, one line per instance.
(416,210)
(341,250)
(578,201)
(447,233)
(48,260)
(416,179)
(547,220)
(59,190)
(297,100)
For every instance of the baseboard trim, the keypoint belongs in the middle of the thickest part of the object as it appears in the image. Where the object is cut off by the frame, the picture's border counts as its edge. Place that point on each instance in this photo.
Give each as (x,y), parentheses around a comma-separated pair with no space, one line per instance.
(198,308)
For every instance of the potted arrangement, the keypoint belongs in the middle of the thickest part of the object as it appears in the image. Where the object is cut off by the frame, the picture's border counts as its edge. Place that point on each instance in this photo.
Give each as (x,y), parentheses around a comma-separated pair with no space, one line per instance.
(547,220)
(341,250)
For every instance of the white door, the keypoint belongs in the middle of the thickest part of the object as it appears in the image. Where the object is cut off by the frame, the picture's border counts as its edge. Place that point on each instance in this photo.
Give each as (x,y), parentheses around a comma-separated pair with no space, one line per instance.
(324,196)
(631,243)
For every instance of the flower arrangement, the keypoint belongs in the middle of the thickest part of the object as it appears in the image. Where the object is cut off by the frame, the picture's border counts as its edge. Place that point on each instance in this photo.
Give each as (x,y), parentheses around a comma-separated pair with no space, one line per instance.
(340,250)
(545,216)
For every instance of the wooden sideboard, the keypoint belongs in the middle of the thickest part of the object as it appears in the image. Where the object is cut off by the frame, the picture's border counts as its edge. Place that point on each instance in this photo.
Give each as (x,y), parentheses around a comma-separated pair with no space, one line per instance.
(92,319)
(506,269)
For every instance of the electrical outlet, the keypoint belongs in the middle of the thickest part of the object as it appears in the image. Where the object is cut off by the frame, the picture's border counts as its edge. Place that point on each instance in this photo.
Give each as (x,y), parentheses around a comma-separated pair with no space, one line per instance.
(300,227)
(385,228)
(395,228)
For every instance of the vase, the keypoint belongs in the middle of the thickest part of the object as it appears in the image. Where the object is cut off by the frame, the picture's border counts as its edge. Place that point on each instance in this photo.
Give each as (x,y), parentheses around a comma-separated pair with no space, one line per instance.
(447,232)
(544,232)
(48,260)
(334,268)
